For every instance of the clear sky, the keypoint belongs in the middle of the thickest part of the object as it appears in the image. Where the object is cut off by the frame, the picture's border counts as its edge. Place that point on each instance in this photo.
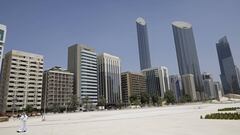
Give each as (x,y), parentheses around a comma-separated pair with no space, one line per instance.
(48,27)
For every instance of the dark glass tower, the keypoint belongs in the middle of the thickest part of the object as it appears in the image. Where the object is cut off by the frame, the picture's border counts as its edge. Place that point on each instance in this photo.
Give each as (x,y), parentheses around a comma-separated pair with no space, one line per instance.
(143,46)
(228,70)
(187,53)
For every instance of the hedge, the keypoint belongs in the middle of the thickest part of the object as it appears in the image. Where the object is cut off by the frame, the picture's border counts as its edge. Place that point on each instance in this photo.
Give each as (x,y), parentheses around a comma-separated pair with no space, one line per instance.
(227,116)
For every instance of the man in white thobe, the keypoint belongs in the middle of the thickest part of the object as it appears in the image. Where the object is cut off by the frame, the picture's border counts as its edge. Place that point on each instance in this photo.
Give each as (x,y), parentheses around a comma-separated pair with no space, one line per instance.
(23,127)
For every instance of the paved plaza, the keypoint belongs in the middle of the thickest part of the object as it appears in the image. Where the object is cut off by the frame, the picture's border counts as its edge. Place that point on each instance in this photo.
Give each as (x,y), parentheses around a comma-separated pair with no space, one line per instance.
(168,120)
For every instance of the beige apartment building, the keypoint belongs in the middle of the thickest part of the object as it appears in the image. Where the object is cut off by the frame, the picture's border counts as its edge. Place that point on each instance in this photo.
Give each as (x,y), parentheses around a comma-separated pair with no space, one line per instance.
(21,81)
(57,87)
(132,84)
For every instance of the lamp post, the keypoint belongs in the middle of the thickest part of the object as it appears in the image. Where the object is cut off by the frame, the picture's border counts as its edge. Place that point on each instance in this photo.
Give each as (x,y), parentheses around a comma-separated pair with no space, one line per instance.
(44,105)
(14,104)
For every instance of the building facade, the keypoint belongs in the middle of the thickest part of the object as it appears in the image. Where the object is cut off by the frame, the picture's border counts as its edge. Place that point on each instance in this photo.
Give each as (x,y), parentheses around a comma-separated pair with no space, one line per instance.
(3,31)
(218,89)
(208,86)
(187,53)
(21,81)
(109,77)
(143,44)
(133,84)
(238,74)
(227,67)
(176,86)
(157,81)
(57,88)
(82,61)
(189,86)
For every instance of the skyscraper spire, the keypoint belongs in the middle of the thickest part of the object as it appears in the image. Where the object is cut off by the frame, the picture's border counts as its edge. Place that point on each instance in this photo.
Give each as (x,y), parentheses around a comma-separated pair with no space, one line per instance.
(143,45)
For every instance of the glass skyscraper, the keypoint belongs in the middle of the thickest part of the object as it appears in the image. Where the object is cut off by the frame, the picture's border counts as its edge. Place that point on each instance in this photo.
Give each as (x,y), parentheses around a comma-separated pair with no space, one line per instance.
(109,78)
(143,45)
(176,86)
(187,53)
(157,81)
(3,30)
(228,69)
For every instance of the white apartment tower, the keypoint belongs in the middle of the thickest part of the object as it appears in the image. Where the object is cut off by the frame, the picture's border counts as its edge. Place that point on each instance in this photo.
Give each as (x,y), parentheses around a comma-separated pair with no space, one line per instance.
(109,77)
(21,81)
(164,79)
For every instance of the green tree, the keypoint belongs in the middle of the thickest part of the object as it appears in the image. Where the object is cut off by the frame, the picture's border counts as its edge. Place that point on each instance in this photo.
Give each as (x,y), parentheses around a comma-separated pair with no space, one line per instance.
(186,98)
(134,100)
(156,100)
(29,109)
(86,103)
(54,108)
(144,98)
(101,101)
(169,97)
(73,103)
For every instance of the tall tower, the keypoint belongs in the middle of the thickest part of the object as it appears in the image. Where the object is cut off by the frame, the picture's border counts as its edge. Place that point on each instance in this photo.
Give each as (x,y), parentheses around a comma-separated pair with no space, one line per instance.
(82,61)
(3,31)
(143,46)
(187,53)
(109,77)
(228,69)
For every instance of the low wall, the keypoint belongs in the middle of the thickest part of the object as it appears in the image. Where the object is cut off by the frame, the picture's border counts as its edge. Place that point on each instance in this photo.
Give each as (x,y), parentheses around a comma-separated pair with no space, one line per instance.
(2,119)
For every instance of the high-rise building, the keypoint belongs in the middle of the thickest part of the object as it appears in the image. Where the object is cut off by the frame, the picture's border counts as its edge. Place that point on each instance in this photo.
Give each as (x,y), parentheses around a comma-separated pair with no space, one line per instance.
(176,86)
(143,45)
(157,81)
(189,86)
(133,84)
(3,31)
(208,85)
(109,77)
(238,74)
(57,88)
(82,61)
(21,81)
(227,67)
(218,89)
(187,53)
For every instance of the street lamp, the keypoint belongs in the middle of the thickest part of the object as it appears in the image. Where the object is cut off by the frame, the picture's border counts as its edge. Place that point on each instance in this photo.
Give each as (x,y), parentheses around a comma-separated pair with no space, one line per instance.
(44,106)
(14,104)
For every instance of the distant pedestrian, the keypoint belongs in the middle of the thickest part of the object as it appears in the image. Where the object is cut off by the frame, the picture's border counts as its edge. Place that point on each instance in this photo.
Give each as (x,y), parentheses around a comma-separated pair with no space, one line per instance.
(23,126)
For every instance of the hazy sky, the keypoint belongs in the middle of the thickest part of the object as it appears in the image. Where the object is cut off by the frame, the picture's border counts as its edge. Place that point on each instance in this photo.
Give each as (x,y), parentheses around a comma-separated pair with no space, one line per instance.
(48,27)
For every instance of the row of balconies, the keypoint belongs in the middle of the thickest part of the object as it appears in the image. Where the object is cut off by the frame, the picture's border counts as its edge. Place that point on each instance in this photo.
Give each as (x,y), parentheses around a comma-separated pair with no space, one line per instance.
(61,81)
(26,65)
(24,59)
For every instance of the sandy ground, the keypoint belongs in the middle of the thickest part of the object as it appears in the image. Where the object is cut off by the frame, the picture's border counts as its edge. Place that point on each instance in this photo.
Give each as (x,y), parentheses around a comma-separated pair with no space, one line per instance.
(169,120)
